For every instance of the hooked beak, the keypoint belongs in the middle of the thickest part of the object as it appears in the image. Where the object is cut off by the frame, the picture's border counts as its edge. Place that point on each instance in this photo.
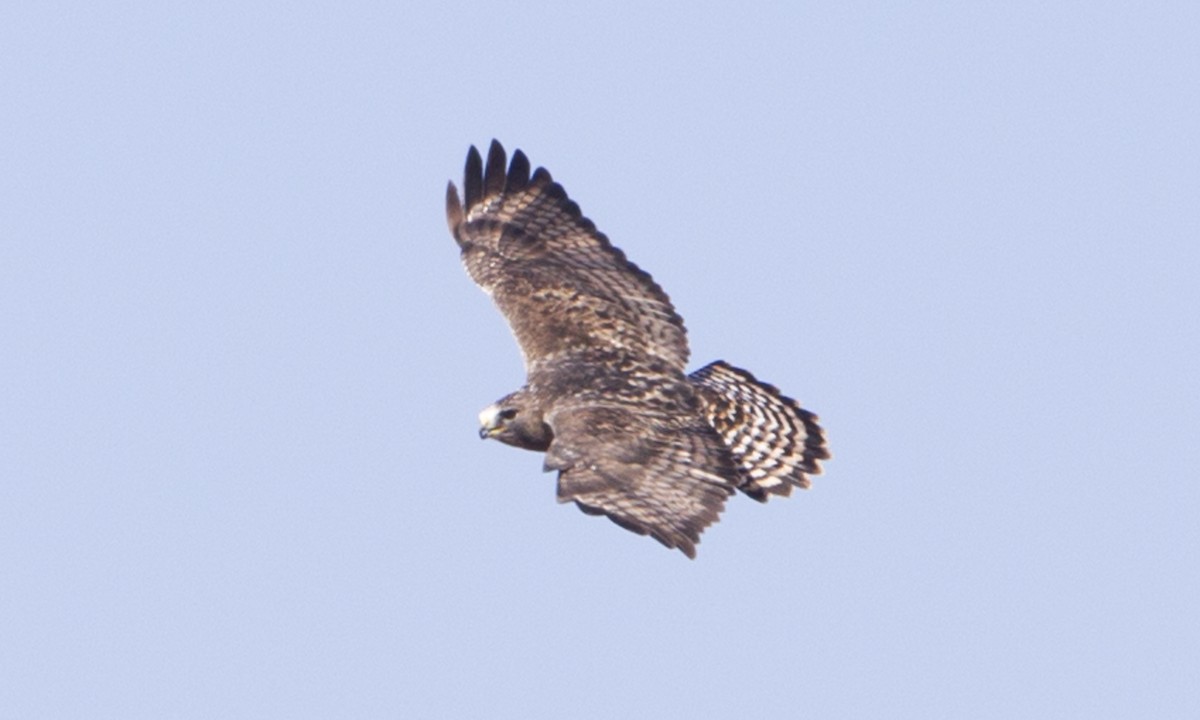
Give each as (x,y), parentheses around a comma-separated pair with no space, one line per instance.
(489,422)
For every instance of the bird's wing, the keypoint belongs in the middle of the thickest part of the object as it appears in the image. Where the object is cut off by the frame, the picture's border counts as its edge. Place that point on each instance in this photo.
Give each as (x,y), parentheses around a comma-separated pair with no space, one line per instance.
(560,283)
(666,475)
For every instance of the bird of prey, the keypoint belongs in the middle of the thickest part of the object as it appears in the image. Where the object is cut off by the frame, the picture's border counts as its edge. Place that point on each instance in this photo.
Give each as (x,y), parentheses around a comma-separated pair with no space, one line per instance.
(607,397)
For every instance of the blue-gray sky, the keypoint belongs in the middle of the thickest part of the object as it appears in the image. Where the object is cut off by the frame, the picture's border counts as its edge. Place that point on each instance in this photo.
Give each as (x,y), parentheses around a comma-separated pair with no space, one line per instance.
(240,362)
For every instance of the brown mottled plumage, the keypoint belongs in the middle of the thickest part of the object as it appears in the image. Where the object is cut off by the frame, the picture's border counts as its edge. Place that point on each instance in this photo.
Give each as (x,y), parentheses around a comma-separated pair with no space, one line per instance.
(606,398)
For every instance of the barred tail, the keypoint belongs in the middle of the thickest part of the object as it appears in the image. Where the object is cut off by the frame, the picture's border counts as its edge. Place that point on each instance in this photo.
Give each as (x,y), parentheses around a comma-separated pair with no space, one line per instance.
(776,443)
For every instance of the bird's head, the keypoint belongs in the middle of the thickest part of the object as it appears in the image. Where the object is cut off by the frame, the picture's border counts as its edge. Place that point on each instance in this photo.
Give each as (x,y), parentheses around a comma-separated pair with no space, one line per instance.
(508,421)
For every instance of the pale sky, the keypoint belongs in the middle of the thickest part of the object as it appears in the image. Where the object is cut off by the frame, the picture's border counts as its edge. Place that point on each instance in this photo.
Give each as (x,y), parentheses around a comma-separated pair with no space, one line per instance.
(240,362)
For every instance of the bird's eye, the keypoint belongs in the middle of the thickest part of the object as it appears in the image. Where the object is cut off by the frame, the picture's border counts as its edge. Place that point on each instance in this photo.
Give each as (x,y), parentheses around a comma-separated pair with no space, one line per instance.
(508,413)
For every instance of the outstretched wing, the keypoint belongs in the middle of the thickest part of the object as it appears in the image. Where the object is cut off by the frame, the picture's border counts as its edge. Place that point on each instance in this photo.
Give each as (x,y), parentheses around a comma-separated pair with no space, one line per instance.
(666,475)
(559,282)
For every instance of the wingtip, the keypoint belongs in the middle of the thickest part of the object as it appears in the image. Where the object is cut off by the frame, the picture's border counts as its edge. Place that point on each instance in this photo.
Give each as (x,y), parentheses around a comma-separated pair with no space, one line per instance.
(495,173)
(473,178)
(454,209)
(518,173)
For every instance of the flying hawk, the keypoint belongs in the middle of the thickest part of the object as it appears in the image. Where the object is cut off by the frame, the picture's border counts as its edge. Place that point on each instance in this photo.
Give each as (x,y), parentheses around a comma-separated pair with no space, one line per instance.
(606,396)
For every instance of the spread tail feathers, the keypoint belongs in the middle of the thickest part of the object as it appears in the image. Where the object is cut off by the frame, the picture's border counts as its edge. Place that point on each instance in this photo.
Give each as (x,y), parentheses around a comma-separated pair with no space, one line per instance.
(776,443)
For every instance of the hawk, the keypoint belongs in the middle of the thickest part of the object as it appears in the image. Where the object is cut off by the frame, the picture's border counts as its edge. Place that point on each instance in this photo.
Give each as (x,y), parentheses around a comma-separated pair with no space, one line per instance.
(607,399)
